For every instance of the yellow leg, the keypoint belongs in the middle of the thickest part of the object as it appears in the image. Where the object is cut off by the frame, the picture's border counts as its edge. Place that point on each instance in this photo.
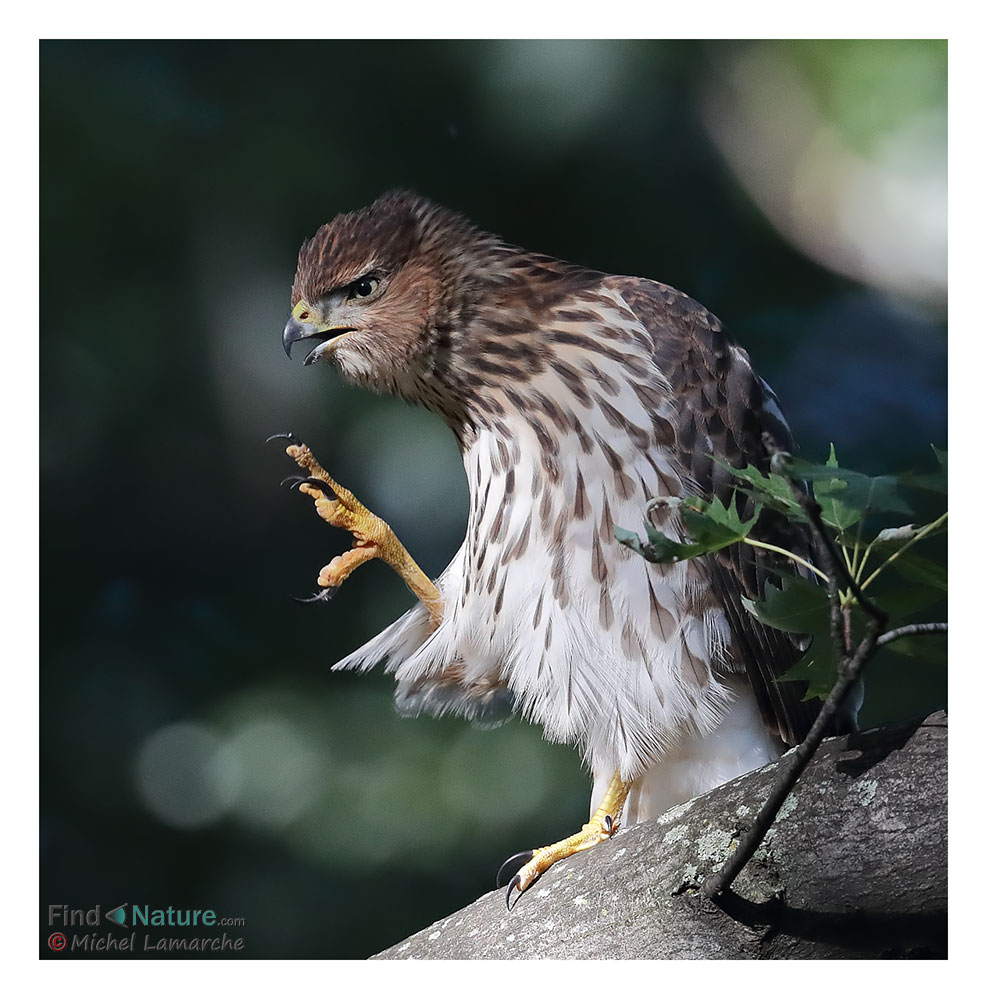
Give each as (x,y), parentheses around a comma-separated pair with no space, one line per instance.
(600,827)
(372,538)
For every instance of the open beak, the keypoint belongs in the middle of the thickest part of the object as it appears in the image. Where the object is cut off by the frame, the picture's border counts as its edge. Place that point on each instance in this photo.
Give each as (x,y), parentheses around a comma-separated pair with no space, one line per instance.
(295,330)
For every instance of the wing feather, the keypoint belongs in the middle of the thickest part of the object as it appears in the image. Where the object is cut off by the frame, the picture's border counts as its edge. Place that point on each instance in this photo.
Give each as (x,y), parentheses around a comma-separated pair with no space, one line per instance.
(723,408)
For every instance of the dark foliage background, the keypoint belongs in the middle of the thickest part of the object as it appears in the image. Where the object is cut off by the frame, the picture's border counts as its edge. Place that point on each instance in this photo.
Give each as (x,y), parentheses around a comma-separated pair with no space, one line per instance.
(195,750)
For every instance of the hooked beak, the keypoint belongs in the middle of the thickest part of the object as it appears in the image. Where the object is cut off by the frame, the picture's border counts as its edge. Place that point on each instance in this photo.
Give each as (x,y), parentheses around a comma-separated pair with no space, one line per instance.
(296,330)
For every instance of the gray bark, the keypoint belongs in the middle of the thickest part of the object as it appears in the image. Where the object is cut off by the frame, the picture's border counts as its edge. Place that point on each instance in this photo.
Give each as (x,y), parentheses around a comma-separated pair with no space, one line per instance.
(854,866)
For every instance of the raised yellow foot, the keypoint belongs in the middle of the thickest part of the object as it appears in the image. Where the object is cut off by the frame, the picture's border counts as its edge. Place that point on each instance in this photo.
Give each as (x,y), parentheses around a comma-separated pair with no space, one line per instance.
(372,538)
(600,827)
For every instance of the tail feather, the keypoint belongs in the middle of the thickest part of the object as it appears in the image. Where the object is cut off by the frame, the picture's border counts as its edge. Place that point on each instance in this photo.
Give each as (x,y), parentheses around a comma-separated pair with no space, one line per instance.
(393,646)
(485,707)
(433,691)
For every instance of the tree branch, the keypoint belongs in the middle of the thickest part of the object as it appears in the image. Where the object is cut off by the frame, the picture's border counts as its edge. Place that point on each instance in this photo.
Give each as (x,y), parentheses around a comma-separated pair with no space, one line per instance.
(854,866)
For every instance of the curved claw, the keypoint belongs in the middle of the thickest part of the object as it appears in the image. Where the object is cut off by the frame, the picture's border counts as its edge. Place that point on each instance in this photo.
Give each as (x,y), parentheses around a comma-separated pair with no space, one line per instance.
(321,485)
(524,856)
(293,481)
(515,881)
(289,437)
(608,824)
(325,595)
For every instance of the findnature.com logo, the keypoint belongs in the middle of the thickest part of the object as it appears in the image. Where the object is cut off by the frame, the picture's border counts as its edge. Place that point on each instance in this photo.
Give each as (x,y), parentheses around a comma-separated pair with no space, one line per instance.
(77,930)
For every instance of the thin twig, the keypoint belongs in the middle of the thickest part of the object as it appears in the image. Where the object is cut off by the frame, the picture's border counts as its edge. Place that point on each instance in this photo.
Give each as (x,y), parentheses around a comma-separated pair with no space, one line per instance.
(847,557)
(754,543)
(800,757)
(850,668)
(833,566)
(857,566)
(825,547)
(928,529)
(926,628)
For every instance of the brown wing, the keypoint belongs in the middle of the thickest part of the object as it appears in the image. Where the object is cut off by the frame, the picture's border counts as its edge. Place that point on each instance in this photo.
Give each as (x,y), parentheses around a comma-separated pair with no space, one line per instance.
(723,409)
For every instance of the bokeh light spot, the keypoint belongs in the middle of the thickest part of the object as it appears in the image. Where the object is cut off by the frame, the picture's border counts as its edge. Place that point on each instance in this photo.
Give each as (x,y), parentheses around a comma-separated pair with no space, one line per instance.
(282,775)
(183,777)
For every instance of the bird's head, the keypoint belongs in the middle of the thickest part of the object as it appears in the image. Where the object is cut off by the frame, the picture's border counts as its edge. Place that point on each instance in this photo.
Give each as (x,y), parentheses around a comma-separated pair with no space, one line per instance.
(376,289)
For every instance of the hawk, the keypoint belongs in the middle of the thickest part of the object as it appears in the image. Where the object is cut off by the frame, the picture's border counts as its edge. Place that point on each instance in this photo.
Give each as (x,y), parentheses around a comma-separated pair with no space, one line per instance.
(576,397)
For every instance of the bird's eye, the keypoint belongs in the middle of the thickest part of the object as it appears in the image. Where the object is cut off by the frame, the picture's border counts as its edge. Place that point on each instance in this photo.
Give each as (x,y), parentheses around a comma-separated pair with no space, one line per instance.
(364,288)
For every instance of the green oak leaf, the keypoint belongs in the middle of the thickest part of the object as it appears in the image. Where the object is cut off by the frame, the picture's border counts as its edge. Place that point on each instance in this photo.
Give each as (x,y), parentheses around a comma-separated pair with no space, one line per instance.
(919,569)
(772,491)
(708,524)
(799,606)
(929,648)
(856,493)
(817,669)
(934,482)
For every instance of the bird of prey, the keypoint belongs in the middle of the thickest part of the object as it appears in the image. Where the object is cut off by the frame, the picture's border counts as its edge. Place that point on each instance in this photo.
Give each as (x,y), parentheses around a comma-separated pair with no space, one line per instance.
(576,397)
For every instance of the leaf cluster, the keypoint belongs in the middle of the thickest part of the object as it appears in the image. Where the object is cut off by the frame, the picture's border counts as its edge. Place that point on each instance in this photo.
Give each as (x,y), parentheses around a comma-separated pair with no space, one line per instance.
(708,524)
(849,503)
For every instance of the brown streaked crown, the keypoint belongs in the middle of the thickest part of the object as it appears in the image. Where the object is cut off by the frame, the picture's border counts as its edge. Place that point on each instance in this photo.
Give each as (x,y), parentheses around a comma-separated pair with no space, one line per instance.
(381,237)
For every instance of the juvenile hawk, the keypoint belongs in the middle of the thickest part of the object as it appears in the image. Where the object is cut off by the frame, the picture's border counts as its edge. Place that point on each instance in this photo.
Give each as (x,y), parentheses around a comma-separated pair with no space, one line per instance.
(576,397)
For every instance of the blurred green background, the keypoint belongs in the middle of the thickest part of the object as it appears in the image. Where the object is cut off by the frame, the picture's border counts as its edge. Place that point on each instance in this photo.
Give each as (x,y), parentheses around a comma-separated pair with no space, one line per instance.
(195,749)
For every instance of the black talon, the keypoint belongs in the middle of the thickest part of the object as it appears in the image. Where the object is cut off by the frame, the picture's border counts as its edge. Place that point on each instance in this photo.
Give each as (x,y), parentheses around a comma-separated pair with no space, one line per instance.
(294,481)
(608,824)
(524,855)
(289,436)
(322,597)
(321,485)
(515,881)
